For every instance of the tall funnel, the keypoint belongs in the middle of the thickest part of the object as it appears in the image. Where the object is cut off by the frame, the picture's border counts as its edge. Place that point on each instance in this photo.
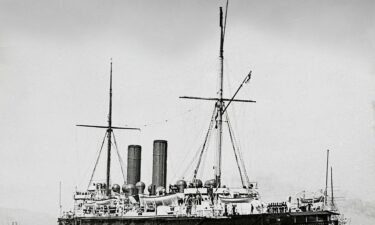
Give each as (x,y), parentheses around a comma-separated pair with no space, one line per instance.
(159,168)
(134,164)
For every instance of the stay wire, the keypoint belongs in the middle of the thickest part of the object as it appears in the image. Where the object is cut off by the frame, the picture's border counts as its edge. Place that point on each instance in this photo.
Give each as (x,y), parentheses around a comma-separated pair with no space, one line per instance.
(97,160)
(171,118)
(206,140)
(225,20)
(201,149)
(234,149)
(119,158)
(241,159)
(238,150)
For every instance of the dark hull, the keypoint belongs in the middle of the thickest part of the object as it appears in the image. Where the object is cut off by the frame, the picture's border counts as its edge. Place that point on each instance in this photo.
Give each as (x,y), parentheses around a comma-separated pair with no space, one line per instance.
(316,218)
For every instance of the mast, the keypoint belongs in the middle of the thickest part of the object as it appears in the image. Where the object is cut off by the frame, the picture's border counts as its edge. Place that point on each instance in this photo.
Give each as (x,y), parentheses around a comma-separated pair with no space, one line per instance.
(325,192)
(220,105)
(332,200)
(60,205)
(109,136)
(109,130)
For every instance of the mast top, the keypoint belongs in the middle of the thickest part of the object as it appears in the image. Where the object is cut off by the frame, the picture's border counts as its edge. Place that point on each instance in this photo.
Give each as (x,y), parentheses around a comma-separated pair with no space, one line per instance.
(109,126)
(110,100)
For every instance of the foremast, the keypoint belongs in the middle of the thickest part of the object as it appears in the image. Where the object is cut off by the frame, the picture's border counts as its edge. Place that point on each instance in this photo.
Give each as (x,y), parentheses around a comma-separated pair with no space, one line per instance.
(109,136)
(109,132)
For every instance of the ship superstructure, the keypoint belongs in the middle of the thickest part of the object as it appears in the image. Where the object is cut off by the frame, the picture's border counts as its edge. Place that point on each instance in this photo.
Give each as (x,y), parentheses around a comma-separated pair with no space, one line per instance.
(187,201)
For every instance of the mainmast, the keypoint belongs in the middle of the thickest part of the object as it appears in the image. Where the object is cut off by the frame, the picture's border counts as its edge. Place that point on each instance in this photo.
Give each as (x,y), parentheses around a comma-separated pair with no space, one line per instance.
(220,105)
(220,109)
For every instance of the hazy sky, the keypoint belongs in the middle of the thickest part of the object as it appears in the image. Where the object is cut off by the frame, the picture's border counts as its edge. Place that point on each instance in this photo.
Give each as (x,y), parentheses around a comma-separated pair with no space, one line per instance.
(313,79)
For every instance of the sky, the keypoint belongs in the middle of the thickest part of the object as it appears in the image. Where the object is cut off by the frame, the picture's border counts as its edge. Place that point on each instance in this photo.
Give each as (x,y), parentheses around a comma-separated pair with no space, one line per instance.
(313,77)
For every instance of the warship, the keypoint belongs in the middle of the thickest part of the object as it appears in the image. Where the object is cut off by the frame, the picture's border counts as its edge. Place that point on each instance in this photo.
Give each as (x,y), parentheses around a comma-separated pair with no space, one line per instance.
(188,202)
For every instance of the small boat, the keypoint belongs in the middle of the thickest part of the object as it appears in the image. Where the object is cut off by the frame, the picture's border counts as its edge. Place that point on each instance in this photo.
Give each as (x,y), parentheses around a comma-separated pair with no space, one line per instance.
(227,200)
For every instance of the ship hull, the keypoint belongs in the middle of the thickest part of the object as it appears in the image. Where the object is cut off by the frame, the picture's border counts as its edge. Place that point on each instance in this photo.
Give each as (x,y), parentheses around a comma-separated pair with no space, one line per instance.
(317,218)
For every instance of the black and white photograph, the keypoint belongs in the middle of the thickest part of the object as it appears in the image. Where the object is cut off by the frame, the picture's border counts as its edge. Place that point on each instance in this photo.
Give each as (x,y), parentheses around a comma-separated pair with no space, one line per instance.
(187,112)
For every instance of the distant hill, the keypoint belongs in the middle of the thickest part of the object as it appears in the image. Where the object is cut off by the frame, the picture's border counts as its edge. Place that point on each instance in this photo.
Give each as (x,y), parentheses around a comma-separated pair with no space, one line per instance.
(25,217)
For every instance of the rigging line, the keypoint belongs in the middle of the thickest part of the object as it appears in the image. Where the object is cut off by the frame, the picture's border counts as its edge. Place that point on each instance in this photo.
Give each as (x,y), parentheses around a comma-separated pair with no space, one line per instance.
(242,161)
(171,117)
(238,150)
(202,170)
(197,152)
(208,135)
(190,164)
(234,149)
(235,144)
(181,172)
(119,157)
(225,20)
(97,160)
(204,157)
(205,153)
